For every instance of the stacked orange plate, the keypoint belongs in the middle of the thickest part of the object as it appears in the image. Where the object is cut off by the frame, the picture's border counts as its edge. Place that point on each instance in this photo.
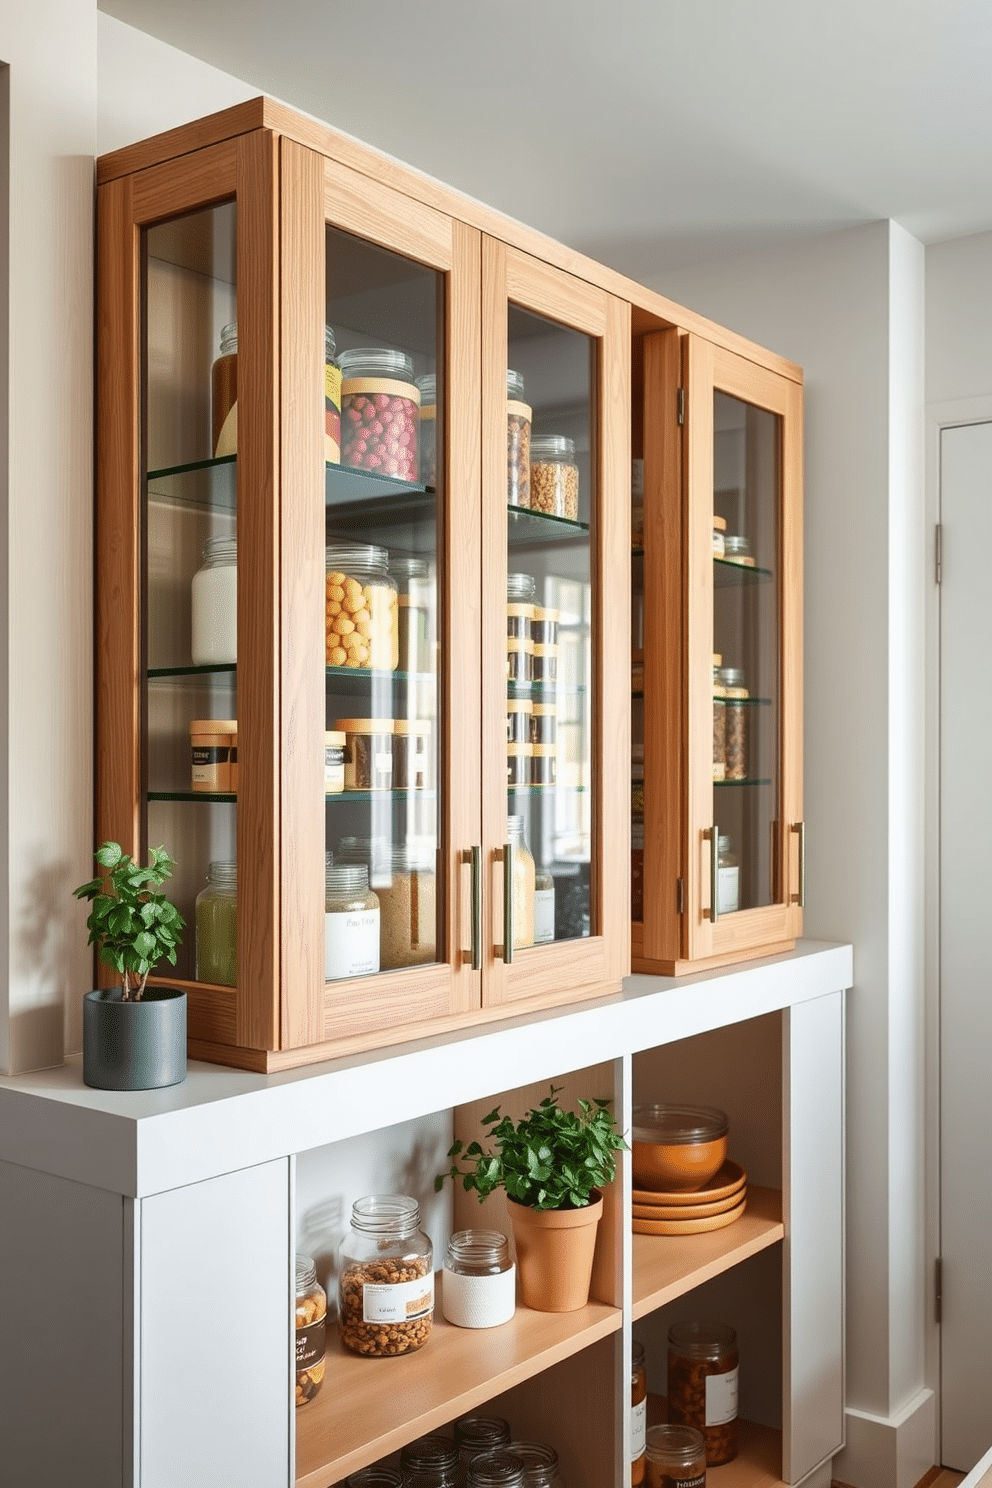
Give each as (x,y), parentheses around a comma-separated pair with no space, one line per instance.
(718,1203)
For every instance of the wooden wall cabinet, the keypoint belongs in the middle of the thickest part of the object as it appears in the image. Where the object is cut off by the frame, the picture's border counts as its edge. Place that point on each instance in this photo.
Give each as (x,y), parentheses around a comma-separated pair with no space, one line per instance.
(260,217)
(717,607)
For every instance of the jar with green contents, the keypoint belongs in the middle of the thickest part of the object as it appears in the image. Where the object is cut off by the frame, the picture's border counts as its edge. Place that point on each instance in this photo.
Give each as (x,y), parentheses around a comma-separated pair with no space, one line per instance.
(217,926)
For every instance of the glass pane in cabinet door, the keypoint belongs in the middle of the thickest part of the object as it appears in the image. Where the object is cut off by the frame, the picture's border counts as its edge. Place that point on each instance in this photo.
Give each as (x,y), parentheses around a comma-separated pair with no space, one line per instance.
(637,691)
(550,496)
(747,443)
(384,450)
(190,553)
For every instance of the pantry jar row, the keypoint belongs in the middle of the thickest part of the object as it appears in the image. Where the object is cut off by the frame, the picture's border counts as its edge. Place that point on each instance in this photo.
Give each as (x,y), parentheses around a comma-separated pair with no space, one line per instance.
(730,728)
(531,636)
(360,754)
(481,1453)
(701,1403)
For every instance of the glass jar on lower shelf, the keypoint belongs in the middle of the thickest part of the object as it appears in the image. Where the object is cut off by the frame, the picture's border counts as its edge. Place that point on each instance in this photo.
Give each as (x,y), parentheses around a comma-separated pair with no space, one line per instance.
(541,1466)
(217,926)
(502,1469)
(476,1434)
(675,1457)
(351,922)
(311,1325)
(432,1462)
(702,1385)
(523,875)
(385,1278)
(554,476)
(408,911)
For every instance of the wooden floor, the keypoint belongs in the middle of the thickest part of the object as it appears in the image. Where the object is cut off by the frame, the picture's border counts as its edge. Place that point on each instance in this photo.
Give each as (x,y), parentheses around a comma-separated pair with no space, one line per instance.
(945,1479)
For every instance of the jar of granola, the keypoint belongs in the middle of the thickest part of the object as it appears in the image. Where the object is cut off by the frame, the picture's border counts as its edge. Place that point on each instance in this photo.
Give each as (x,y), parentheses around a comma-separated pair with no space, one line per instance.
(385,1278)
(702,1385)
(554,476)
(311,1324)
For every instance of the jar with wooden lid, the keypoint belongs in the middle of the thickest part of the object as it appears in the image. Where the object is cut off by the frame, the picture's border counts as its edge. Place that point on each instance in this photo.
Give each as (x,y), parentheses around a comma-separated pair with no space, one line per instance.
(675,1457)
(311,1326)
(638,1411)
(519,417)
(368,753)
(520,663)
(334,742)
(519,763)
(519,712)
(411,753)
(702,1385)
(351,922)
(544,665)
(544,764)
(385,1278)
(211,740)
(479,1288)
(523,883)
(478,1434)
(544,723)
(380,412)
(541,1466)
(719,531)
(544,626)
(224,394)
(520,589)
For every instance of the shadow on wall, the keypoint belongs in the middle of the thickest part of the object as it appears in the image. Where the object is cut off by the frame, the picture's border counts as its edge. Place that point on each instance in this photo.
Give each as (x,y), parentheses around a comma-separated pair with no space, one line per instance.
(48,943)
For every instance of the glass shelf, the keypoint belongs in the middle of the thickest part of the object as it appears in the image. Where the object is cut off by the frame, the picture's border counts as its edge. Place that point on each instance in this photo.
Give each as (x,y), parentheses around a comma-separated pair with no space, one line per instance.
(348,798)
(748,702)
(542,690)
(338,797)
(526,527)
(224,672)
(208,483)
(543,790)
(730,575)
(358,679)
(732,783)
(191,795)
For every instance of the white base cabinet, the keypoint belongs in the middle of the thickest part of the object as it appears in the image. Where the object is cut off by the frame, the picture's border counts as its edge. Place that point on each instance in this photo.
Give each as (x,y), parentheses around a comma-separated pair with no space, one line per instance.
(147,1245)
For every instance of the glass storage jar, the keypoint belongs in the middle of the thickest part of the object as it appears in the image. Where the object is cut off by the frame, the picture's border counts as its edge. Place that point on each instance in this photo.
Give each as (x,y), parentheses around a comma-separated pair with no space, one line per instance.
(545,666)
(411,754)
(719,721)
(541,1466)
(334,742)
(544,906)
(519,712)
(351,922)
(719,539)
(210,753)
(385,1278)
(360,607)
(380,412)
(519,763)
(427,428)
(432,1462)
(544,626)
(214,596)
(519,417)
(476,1434)
(408,911)
(544,723)
(737,549)
(479,1288)
(502,1469)
(368,753)
(523,883)
(638,1411)
(728,877)
(520,663)
(379,1475)
(702,1385)
(413,583)
(217,926)
(332,400)
(224,394)
(544,765)
(675,1457)
(554,476)
(735,727)
(375,852)
(311,1326)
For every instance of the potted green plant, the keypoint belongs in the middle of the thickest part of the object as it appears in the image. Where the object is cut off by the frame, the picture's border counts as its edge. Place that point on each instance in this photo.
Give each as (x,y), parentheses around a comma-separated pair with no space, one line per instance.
(552,1164)
(134,1036)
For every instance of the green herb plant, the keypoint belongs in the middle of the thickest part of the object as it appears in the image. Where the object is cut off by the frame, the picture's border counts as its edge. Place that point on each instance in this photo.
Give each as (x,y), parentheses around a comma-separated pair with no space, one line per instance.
(131,922)
(549,1159)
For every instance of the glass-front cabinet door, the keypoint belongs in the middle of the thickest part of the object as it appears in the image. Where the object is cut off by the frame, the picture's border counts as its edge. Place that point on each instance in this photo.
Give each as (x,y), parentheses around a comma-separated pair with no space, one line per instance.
(555,379)
(744,655)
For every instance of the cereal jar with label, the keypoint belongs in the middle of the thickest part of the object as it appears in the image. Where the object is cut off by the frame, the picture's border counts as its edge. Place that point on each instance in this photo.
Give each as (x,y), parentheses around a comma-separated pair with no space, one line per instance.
(360,608)
(311,1325)
(702,1385)
(385,1278)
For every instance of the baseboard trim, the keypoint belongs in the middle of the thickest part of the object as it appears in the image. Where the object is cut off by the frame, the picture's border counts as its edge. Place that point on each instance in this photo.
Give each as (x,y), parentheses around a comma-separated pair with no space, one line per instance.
(890,1452)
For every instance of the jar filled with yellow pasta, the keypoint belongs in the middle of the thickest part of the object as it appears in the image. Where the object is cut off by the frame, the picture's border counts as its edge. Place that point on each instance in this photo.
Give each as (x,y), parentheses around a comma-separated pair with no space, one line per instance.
(360,608)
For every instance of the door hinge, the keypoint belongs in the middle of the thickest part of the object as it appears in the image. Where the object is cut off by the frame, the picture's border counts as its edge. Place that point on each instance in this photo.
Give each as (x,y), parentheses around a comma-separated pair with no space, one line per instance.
(938,549)
(681,405)
(938,1288)
(680,895)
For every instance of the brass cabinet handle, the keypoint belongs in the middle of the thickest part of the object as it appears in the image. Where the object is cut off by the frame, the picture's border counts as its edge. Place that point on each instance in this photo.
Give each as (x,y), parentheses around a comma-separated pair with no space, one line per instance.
(800,830)
(504,854)
(714,835)
(473,855)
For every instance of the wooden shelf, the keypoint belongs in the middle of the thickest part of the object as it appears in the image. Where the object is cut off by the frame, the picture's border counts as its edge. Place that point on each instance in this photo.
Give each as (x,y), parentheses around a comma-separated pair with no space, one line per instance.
(666,1267)
(368,1408)
(758,1463)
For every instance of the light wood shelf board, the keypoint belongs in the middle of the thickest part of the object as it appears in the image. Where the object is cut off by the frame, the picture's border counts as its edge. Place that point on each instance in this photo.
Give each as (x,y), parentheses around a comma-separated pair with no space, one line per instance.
(371,1407)
(758,1463)
(668,1266)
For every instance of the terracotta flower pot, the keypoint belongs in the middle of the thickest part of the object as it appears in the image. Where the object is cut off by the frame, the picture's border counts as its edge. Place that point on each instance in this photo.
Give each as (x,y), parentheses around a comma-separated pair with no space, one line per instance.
(555,1249)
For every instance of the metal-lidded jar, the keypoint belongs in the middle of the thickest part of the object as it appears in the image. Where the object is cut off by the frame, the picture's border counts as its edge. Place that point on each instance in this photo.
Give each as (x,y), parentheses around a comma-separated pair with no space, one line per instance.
(351,922)
(735,696)
(519,418)
(479,1286)
(675,1457)
(541,1466)
(385,1278)
(638,1411)
(311,1328)
(380,412)
(702,1385)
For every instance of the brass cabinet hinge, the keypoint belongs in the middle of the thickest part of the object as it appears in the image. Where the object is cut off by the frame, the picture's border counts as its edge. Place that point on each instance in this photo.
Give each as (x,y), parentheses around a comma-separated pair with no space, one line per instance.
(681,405)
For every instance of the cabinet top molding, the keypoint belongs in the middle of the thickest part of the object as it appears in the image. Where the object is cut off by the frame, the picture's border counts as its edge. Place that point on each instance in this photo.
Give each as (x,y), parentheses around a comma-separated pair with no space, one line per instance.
(649,311)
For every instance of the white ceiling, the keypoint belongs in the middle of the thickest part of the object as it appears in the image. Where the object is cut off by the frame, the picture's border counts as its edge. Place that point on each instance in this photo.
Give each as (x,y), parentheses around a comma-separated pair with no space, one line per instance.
(648,133)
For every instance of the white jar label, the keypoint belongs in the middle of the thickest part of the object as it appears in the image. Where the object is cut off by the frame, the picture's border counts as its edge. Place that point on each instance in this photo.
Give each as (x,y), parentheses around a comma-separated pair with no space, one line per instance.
(728,891)
(638,1429)
(544,916)
(479,1301)
(401,1302)
(721,1398)
(351,943)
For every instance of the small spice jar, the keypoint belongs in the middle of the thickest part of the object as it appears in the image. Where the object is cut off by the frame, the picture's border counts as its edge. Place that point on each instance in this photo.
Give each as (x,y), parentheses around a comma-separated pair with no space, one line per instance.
(544,723)
(210,753)
(728,877)
(544,906)
(332,400)
(351,922)
(217,926)
(311,1327)
(385,1278)
(502,1469)
(544,764)
(379,1475)
(519,417)
(368,753)
(735,726)
(719,529)
(411,754)
(360,608)
(520,663)
(520,606)
(519,762)
(737,550)
(702,1385)
(408,911)
(523,883)
(519,712)
(541,1466)
(432,1462)
(554,477)
(719,721)
(224,394)
(414,600)
(479,1286)
(638,1411)
(544,626)
(427,428)
(545,666)
(214,598)
(380,412)
(675,1457)
(476,1435)
(334,742)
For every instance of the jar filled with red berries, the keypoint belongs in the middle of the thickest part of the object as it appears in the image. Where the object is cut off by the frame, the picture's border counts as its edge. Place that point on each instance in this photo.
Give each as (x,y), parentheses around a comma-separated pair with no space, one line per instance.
(380,411)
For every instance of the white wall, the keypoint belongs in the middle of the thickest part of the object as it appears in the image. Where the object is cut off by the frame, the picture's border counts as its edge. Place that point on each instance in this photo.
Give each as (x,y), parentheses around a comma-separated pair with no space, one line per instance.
(46,756)
(959,319)
(848,307)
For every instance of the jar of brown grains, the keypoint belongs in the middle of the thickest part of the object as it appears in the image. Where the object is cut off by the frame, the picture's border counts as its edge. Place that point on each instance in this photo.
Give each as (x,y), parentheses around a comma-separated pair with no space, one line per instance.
(311,1324)
(554,477)
(385,1278)
(676,1457)
(702,1385)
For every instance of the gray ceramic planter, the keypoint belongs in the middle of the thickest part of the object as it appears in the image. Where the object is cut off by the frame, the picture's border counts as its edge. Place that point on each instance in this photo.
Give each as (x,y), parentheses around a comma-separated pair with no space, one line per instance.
(134,1045)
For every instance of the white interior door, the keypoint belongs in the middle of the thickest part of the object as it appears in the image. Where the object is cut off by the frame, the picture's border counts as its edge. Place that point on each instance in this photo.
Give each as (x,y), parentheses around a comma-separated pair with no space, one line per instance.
(965,950)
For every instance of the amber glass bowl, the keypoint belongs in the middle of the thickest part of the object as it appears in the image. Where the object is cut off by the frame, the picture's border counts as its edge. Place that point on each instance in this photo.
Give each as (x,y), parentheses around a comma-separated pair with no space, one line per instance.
(677,1149)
